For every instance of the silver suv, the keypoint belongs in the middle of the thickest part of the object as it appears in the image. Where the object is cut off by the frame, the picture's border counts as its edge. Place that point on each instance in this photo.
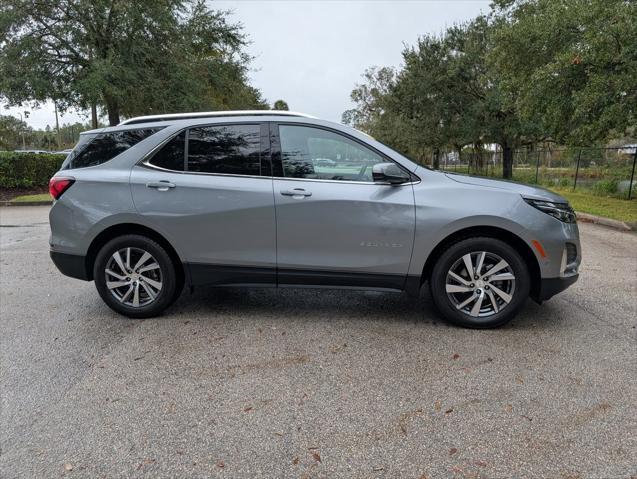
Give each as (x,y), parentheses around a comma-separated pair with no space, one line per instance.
(263,198)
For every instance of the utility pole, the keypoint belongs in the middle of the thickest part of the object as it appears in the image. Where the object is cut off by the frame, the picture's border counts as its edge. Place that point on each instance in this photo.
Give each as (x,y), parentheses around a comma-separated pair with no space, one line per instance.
(22,118)
(57,126)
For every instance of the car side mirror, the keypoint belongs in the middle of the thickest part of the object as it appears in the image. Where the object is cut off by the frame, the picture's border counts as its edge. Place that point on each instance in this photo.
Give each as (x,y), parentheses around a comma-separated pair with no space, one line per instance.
(389,173)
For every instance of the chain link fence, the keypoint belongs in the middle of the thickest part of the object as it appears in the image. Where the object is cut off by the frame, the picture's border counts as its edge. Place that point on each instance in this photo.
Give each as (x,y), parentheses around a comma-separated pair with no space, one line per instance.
(599,171)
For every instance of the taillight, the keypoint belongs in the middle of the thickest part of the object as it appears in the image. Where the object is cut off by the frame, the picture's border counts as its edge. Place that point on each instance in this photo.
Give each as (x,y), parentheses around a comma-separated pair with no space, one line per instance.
(58,185)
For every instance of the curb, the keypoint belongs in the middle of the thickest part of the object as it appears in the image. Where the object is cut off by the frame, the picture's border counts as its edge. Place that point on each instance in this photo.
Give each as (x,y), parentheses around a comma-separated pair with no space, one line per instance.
(26,203)
(600,220)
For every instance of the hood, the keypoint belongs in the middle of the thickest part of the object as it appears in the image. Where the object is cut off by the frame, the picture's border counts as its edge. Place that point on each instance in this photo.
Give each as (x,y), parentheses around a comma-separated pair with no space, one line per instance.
(524,190)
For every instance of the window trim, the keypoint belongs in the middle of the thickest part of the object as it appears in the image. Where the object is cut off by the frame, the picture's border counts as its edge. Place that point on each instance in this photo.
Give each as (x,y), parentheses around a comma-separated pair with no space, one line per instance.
(277,161)
(264,146)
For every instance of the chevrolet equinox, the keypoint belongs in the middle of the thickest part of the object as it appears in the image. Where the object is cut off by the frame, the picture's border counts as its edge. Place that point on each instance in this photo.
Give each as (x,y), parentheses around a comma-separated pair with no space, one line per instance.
(265,198)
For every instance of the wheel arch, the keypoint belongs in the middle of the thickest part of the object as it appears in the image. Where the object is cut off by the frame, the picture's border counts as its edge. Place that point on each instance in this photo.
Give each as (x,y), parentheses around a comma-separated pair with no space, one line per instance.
(131,228)
(490,232)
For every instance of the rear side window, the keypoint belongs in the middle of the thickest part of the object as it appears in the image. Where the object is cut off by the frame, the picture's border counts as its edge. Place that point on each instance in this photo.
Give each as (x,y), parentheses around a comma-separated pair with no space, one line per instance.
(230,149)
(171,156)
(107,146)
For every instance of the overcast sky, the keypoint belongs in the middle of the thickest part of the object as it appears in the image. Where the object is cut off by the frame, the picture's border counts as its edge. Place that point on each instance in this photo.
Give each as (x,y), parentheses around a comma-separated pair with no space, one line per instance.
(312,53)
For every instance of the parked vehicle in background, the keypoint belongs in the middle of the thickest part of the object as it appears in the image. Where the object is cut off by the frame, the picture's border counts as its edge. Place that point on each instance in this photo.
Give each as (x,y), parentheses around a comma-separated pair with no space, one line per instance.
(243,198)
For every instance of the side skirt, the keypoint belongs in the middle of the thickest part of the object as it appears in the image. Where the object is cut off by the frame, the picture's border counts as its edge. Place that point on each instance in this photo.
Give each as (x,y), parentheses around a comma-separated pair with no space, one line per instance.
(224,275)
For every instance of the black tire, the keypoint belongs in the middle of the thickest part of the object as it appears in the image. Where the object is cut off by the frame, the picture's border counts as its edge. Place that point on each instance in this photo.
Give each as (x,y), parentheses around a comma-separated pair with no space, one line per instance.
(166,274)
(451,256)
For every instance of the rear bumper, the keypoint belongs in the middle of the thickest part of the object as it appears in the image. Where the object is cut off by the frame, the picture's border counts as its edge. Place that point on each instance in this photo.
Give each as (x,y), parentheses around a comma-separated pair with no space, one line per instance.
(549,287)
(71,265)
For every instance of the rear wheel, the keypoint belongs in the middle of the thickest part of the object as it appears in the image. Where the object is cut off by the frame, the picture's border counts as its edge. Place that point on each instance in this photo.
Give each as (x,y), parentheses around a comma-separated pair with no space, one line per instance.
(480,283)
(135,276)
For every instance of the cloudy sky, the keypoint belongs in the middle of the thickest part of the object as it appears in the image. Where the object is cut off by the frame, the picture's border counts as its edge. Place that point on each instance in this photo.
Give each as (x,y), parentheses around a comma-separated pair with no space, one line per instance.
(312,53)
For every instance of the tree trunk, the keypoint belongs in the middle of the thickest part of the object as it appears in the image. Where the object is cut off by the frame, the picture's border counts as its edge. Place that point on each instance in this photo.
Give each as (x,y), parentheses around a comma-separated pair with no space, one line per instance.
(436,160)
(507,161)
(112,107)
(93,115)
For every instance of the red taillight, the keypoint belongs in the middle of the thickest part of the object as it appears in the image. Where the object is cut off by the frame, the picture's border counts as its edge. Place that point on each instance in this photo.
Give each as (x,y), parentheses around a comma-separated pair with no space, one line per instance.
(58,185)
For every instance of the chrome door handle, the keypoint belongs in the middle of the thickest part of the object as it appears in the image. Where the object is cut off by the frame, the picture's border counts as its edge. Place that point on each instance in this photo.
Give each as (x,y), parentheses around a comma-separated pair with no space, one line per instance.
(160,185)
(300,192)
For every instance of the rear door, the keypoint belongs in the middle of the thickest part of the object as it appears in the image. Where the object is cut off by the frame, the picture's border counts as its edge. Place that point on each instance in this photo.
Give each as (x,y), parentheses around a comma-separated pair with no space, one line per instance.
(204,191)
(335,226)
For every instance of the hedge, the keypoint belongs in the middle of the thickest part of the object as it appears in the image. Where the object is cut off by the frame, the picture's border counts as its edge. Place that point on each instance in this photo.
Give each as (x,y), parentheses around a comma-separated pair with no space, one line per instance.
(26,170)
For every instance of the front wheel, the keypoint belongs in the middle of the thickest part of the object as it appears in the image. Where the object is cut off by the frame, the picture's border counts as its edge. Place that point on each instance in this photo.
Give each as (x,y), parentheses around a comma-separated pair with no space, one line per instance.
(480,283)
(135,276)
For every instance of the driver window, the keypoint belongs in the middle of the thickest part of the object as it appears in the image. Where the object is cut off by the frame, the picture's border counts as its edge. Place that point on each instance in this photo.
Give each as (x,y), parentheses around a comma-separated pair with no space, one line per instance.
(308,152)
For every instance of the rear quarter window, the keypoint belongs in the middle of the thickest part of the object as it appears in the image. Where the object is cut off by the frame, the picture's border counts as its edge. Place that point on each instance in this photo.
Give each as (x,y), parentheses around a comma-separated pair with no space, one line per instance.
(106,146)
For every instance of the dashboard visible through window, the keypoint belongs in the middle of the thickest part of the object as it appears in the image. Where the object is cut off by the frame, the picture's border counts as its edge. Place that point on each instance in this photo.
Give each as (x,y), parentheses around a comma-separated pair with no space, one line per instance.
(308,152)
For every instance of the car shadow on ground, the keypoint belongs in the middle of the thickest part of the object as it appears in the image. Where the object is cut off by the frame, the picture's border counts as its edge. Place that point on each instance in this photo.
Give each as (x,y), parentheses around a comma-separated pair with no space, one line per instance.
(327,305)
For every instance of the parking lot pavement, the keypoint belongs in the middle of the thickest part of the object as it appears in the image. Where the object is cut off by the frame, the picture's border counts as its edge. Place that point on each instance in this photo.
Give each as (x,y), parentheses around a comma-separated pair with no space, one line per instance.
(308,383)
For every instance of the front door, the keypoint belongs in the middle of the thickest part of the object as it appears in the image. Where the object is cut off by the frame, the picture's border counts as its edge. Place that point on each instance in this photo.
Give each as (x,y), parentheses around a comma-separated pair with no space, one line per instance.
(204,191)
(335,226)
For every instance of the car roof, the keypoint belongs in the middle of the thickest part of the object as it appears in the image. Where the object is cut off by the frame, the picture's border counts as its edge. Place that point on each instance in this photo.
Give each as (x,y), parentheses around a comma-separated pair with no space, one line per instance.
(207,114)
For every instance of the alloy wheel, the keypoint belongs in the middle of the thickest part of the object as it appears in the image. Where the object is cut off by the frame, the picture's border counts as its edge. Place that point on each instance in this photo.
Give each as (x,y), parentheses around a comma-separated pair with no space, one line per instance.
(480,284)
(134,277)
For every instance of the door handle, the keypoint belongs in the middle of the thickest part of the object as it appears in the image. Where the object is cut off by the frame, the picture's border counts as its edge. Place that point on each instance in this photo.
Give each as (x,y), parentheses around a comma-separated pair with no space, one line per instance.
(160,185)
(300,192)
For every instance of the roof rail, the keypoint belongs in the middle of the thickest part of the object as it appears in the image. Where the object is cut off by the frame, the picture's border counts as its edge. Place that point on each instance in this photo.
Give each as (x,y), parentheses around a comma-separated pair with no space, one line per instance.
(205,114)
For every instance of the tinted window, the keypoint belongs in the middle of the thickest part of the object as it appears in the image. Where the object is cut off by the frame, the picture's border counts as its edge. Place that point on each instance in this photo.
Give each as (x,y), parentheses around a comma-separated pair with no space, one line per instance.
(233,149)
(107,146)
(316,153)
(171,155)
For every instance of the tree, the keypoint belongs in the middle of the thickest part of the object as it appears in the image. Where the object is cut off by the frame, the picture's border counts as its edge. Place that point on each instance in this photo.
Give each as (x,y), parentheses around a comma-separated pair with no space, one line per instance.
(444,96)
(130,57)
(570,66)
(280,105)
(11,132)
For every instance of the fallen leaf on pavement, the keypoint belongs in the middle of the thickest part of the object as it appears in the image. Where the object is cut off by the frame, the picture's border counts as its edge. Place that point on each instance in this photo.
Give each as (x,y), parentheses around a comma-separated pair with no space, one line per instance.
(455,356)
(316,456)
(452,451)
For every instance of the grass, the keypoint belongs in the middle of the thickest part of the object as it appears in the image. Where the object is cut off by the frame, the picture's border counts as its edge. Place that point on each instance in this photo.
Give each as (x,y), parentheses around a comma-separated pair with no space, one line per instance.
(617,209)
(25,198)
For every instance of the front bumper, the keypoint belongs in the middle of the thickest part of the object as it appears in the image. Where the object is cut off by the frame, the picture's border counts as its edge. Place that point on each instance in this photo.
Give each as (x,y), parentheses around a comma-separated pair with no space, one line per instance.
(71,265)
(549,287)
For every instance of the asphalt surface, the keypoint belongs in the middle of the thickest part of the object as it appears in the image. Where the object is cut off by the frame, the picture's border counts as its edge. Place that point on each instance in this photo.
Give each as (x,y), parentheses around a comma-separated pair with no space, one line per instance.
(308,383)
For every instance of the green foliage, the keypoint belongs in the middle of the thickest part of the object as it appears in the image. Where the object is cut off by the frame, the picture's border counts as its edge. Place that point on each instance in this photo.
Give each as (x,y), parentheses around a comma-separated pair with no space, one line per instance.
(11,130)
(569,66)
(280,105)
(605,187)
(132,58)
(444,96)
(530,71)
(25,170)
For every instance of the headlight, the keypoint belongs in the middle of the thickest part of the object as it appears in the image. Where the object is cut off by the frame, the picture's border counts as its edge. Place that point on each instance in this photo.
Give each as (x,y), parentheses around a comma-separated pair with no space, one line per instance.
(561,211)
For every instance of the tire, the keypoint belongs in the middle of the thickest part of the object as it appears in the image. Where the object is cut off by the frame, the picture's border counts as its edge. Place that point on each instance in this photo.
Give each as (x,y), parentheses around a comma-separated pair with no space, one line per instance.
(469,302)
(143,292)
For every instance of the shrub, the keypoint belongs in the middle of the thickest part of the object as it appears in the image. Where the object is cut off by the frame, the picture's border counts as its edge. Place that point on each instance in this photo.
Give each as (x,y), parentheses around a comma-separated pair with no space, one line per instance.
(26,170)
(605,187)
